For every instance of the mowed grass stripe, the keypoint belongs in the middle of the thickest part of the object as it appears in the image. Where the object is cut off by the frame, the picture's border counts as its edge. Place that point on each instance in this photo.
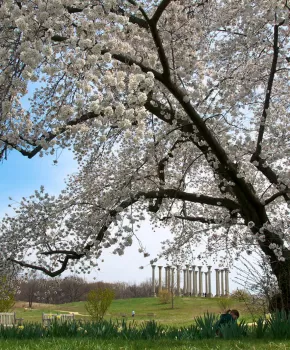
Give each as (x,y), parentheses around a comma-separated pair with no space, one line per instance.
(83,344)
(183,313)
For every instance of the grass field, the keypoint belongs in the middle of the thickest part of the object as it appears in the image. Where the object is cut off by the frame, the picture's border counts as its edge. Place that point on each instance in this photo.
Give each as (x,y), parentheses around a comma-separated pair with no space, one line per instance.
(83,344)
(183,313)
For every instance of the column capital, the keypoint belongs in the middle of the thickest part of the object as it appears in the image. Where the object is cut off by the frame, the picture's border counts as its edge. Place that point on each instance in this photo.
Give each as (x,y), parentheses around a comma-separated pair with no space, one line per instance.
(200,267)
(209,267)
(193,267)
(153,266)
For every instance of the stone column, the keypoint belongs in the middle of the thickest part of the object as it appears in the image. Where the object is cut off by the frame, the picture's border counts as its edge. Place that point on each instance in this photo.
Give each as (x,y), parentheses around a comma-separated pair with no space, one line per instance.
(193,280)
(200,292)
(195,287)
(217,280)
(160,279)
(153,280)
(222,283)
(209,282)
(168,278)
(172,280)
(166,275)
(227,289)
(178,279)
(184,282)
(206,283)
(190,282)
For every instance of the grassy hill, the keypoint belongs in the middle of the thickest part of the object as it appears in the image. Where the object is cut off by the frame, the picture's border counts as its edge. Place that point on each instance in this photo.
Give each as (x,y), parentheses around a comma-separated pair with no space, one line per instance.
(183,313)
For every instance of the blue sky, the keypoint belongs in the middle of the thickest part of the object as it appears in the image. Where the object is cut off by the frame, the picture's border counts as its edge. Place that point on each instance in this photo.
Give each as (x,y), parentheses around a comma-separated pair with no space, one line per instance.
(20,176)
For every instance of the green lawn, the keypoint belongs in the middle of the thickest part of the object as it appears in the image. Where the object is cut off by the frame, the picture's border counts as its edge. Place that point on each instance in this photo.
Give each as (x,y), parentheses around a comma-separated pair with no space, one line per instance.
(83,344)
(183,313)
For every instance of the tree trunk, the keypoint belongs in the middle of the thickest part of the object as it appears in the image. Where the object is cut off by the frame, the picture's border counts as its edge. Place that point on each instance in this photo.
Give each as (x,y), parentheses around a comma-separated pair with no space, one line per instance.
(282,272)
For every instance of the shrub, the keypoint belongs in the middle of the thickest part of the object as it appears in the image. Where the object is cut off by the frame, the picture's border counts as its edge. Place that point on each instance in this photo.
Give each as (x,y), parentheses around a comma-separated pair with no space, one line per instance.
(164,296)
(98,302)
(225,303)
(7,294)
(241,295)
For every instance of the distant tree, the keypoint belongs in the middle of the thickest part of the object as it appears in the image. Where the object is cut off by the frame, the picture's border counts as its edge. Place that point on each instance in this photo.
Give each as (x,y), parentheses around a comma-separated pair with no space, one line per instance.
(29,287)
(73,288)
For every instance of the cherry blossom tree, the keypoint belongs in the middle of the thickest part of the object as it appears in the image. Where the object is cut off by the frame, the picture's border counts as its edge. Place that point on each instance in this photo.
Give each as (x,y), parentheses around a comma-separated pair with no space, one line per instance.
(178,109)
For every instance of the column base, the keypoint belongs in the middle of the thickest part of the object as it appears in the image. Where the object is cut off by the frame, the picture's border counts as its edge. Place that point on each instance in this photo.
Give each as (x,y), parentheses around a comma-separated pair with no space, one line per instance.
(199,295)
(209,295)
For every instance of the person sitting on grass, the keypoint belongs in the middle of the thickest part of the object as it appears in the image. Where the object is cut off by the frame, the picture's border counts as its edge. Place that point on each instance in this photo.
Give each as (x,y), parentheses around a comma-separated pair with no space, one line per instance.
(226,318)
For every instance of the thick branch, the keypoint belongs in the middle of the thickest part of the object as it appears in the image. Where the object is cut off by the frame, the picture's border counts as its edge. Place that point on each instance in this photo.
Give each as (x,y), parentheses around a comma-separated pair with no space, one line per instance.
(277,195)
(268,94)
(51,135)
(46,271)
(265,169)
(161,173)
(160,9)
(193,219)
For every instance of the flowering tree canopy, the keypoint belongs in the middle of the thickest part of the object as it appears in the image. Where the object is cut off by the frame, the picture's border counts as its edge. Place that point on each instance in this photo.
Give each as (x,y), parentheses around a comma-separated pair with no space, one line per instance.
(175,108)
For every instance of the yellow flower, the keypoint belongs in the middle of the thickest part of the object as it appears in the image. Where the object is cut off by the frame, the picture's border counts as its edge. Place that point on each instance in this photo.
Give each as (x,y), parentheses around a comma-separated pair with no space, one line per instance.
(58,316)
(21,327)
(119,330)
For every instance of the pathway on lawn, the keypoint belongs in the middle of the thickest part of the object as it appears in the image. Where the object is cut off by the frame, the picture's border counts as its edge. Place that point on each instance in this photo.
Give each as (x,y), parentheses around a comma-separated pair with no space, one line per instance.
(73,312)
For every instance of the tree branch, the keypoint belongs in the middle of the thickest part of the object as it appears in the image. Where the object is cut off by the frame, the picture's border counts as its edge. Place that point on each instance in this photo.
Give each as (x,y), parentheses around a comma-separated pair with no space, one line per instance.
(276,195)
(160,9)
(267,171)
(193,219)
(51,135)
(162,193)
(43,269)
(268,94)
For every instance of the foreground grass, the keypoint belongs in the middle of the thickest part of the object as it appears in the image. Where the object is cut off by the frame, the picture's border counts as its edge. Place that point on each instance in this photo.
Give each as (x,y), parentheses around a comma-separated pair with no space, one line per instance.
(183,313)
(83,344)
